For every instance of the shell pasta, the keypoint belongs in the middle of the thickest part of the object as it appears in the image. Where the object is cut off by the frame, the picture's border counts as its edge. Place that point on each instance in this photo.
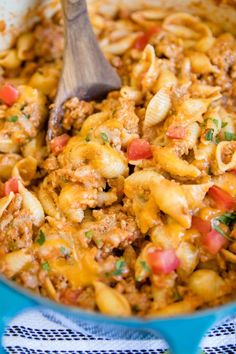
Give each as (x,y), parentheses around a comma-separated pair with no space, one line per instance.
(132,210)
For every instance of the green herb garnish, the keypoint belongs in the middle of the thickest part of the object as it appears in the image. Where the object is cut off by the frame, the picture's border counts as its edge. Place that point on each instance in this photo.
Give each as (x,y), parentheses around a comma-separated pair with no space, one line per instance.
(64,251)
(224,124)
(215,225)
(119,266)
(88,234)
(209,135)
(27,116)
(98,242)
(217,140)
(45,266)
(216,122)
(145,266)
(176,295)
(230,136)
(13,119)
(87,138)
(41,238)
(104,137)
(228,219)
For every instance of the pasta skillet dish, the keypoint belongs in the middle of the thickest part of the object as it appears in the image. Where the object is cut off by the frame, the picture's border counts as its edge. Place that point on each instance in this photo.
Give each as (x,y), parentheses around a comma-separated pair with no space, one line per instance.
(132,210)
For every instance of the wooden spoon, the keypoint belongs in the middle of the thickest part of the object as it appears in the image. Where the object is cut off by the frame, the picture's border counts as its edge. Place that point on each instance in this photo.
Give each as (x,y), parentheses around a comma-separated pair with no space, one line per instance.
(86,73)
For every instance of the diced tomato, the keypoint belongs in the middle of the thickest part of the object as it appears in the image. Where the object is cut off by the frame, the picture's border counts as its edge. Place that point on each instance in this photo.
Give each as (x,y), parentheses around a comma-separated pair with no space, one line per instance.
(163,261)
(176,132)
(141,42)
(222,199)
(10,186)
(203,226)
(233,171)
(8,94)
(57,144)
(139,149)
(213,241)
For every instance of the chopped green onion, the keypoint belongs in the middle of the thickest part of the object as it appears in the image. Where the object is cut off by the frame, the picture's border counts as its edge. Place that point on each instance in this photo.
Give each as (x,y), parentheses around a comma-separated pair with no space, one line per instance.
(13,119)
(104,137)
(224,124)
(98,242)
(145,266)
(88,234)
(27,116)
(45,266)
(209,135)
(41,238)
(216,122)
(176,295)
(119,266)
(230,136)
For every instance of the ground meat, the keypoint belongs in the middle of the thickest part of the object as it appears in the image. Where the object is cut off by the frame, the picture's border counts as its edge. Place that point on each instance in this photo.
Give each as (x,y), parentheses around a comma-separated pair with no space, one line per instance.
(169,46)
(85,175)
(16,227)
(29,280)
(126,115)
(228,151)
(139,299)
(114,227)
(223,52)
(79,297)
(49,41)
(76,112)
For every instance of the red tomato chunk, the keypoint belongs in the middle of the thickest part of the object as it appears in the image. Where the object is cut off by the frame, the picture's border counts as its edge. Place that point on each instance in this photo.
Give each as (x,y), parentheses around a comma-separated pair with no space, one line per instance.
(222,199)
(10,186)
(139,149)
(8,94)
(141,42)
(203,226)
(163,261)
(176,132)
(213,242)
(57,144)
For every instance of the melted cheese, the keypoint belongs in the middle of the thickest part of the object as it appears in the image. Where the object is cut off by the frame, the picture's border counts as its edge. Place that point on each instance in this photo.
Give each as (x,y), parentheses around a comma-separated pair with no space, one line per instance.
(79,273)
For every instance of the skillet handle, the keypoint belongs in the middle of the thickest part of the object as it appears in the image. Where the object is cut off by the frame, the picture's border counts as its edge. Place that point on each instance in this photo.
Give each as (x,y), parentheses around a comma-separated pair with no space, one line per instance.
(184,335)
(11,303)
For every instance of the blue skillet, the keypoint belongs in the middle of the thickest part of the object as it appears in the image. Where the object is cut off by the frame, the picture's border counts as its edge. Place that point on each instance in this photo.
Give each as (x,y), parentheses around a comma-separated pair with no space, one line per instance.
(183,333)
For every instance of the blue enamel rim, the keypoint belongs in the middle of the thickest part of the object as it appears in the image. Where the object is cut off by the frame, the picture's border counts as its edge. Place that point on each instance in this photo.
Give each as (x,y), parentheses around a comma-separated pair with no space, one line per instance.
(183,333)
(228,308)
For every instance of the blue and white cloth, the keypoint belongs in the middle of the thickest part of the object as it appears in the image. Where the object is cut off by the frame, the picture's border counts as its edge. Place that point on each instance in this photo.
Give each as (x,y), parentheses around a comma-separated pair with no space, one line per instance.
(46,332)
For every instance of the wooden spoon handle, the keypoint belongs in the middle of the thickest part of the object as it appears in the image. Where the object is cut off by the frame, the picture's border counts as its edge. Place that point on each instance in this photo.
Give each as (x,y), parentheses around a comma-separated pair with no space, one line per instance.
(86,73)
(73,9)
